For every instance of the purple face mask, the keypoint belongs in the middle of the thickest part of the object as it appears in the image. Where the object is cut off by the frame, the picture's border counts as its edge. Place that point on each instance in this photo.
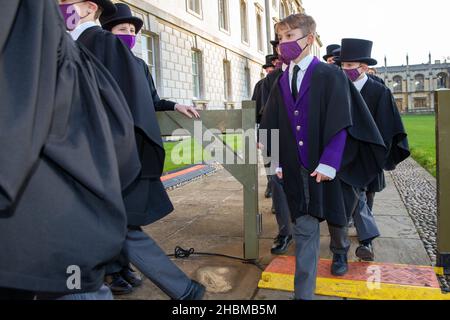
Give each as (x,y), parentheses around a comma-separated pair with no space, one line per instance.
(291,50)
(129,40)
(70,15)
(353,74)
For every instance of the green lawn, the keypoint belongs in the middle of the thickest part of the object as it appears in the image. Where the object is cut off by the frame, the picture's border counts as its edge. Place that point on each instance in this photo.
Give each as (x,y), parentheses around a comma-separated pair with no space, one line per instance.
(421,136)
(187,152)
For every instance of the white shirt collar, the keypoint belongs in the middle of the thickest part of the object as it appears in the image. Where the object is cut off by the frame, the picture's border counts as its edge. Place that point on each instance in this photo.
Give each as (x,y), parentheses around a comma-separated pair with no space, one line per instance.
(76,33)
(303,64)
(284,67)
(359,84)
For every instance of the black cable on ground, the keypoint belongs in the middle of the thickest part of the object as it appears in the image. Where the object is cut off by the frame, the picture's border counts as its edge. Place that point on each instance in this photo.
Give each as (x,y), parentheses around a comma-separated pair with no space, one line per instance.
(181,253)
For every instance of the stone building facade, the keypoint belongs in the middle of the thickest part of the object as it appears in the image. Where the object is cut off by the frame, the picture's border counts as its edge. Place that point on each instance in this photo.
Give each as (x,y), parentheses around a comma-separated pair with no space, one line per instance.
(208,52)
(414,85)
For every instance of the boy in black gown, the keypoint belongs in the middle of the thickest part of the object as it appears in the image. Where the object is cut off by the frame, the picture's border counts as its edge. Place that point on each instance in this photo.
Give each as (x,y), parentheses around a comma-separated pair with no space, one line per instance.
(146,200)
(63,121)
(330,143)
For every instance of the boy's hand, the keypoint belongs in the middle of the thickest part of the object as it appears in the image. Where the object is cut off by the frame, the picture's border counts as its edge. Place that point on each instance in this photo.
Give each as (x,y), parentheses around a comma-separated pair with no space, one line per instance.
(320,177)
(188,111)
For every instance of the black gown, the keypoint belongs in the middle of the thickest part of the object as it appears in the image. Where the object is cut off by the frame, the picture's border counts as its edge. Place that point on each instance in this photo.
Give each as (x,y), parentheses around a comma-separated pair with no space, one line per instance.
(382,106)
(146,200)
(257,97)
(267,86)
(341,107)
(60,185)
(376,78)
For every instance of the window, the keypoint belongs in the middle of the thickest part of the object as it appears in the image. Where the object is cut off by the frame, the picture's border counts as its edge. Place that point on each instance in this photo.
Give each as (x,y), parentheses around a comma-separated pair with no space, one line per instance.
(259,28)
(244,23)
(398,84)
(442,81)
(227,80)
(420,103)
(419,81)
(195,6)
(196,74)
(149,54)
(248,83)
(224,23)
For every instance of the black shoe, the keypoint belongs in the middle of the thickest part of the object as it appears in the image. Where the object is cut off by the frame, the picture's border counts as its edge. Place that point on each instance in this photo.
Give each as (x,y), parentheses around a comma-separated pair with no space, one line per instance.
(281,245)
(339,266)
(365,252)
(131,277)
(196,291)
(118,285)
(268,192)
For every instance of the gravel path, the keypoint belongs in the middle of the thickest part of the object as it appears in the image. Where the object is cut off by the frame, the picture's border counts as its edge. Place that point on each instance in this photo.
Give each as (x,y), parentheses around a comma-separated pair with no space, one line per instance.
(417,189)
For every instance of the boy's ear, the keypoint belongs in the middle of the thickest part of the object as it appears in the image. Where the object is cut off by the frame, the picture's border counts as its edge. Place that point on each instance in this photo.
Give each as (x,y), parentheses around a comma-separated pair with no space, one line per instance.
(92,6)
(311,38)
(364,67)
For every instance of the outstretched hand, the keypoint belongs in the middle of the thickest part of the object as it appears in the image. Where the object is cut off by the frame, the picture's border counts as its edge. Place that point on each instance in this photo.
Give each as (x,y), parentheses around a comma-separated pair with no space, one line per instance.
(188,111)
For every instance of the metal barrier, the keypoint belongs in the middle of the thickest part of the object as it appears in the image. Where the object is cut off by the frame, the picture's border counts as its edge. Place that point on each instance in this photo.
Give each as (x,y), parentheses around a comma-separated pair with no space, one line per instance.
(443,177)
(244,171)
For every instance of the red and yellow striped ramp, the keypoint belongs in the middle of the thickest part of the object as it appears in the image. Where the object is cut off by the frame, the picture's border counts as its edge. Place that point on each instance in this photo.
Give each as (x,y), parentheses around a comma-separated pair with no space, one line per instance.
(365,281)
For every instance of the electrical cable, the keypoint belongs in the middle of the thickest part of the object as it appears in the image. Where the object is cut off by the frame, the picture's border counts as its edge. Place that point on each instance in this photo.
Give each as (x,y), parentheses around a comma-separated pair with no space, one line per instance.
(181,253)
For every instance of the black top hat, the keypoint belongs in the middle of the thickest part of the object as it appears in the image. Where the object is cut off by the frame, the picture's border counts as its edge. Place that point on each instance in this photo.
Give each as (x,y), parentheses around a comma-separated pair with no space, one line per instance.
(330,50)
(357,50)
(107,6)
(337,55)
(269,61)
(123,15)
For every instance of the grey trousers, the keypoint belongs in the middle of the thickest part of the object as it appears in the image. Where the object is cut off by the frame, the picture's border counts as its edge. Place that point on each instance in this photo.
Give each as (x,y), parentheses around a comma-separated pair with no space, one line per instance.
(365,223)
(370,199)
(307,241)
(145,254)
(279,200)
(103,294)
(339,241)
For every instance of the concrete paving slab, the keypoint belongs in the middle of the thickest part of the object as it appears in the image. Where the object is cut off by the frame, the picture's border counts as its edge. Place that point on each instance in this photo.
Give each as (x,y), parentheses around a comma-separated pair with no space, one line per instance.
(399,227)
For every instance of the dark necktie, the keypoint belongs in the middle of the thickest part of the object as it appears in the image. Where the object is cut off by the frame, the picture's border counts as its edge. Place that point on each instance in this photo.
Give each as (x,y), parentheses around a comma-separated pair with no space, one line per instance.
(294,83)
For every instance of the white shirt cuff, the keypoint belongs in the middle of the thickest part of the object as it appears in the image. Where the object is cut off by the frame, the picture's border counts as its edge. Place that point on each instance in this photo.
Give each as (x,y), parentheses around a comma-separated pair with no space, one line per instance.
(330,172)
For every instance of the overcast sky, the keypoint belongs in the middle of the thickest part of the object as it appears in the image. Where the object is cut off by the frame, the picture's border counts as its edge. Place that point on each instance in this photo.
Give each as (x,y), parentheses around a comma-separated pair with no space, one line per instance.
(396,27)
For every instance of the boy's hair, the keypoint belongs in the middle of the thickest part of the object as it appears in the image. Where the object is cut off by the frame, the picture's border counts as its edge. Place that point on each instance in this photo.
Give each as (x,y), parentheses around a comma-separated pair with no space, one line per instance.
(298,21)
(98,13)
